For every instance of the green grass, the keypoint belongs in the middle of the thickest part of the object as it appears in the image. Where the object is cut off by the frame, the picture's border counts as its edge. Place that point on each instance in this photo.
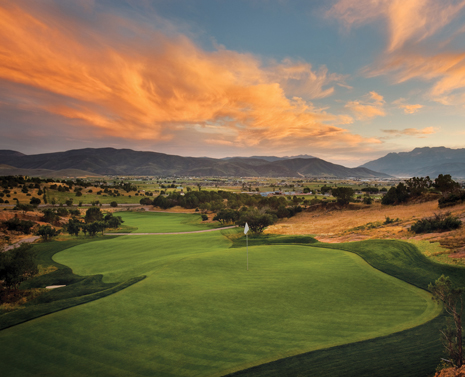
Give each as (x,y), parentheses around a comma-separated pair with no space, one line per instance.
(78,290)
(200,313)
(414,352)
(146,222)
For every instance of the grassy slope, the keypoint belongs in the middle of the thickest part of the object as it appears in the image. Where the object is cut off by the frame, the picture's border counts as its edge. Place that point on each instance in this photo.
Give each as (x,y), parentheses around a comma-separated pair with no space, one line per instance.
(78,290)
(199,312)
(414,352)
(163,222)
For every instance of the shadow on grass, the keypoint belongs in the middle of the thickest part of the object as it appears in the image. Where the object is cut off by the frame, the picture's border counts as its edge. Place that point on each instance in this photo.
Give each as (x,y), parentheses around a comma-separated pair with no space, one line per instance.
(79,289)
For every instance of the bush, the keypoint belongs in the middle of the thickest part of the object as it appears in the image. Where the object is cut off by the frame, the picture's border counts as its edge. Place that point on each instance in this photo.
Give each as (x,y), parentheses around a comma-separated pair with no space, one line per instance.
(23,226)
(114,204)
(204,217)
(443,221)
(452,199)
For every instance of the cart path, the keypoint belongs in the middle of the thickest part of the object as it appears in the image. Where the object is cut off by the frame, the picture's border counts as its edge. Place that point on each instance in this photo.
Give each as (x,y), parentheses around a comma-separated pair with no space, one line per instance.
(159,234)
(24,240)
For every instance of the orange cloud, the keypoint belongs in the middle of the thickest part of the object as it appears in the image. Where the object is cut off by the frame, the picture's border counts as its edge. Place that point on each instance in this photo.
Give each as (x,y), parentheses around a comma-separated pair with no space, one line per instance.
(408,109)
(138,83)
(369,107)
(411,132)
(448,69)
(407,20)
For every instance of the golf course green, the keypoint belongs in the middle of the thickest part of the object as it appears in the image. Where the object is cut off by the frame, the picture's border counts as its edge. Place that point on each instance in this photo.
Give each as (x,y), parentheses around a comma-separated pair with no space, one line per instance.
(199,312)
(150,222)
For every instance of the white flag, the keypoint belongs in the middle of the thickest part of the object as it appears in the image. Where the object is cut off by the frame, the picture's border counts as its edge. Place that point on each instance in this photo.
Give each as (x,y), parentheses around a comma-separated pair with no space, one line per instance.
(246,228)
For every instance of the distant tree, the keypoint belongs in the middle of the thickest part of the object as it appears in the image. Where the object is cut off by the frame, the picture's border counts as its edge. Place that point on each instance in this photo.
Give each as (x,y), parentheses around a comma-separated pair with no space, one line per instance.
(343,194)
(46,232)
(23,226)
(445,183)
(226,216)
(145,201)
(113,204)
(257,220)
(113,221)
(73,227)
(69,202)
(306,190)
(452,298)
(24,208)
(34,201)
(17,265)
(93,214)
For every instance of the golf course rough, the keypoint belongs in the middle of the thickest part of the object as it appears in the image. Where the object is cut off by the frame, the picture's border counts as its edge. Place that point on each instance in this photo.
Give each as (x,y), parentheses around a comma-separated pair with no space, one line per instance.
(200,313)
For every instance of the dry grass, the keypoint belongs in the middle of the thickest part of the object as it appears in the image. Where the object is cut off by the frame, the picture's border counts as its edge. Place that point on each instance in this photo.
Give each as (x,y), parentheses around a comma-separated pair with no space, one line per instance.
(362,222)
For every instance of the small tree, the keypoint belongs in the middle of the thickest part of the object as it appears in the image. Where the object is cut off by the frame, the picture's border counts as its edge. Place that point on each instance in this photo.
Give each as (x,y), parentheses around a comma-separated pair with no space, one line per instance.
(16,266)
(444,291)
(257,220)
(343,194)
(113,204)
(93,214)
(46,232)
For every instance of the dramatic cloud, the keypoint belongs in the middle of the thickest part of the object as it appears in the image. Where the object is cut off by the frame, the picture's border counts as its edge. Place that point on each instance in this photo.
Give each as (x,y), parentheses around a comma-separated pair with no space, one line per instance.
(408,109)
(407,20)
(447,68)
(371,106)
(411,132)
(127,80)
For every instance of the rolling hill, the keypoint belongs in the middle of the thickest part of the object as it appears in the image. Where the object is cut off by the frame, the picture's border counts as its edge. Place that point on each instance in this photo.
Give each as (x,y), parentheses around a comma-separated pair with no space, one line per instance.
(422,162)
(110,161)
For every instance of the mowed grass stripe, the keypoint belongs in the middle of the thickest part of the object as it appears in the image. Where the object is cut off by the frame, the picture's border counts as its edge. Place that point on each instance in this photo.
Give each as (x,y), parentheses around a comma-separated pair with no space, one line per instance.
(199,312)
(147,222)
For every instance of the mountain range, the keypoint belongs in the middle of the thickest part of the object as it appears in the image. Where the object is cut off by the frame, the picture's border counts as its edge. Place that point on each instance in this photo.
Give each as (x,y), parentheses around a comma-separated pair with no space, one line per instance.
(110,161)
(422,162)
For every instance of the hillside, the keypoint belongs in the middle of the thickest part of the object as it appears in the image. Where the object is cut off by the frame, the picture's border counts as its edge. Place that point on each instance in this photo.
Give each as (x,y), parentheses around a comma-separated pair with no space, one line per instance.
(422,162)
(110,161)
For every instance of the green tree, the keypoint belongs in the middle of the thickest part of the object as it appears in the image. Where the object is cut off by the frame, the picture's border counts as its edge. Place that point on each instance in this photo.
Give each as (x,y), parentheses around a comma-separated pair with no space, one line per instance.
(93,214)
(34,201)
(113,221)
(73,227)
(46,232)
(445,183)
(257,220)
(452,298)
(17,265)
(343,194)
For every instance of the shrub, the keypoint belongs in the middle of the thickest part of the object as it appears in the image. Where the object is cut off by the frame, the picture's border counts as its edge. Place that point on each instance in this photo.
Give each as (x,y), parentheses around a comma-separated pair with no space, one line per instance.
(204,217)
(114,204)
(23,226)
(451,199)
(439,221)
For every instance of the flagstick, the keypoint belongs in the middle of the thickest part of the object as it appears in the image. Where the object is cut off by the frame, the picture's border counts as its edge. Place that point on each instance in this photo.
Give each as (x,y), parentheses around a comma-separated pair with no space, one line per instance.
(247,238)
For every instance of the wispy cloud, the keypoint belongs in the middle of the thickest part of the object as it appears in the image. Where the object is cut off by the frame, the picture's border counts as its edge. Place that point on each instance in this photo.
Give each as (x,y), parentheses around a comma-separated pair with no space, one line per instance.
(138,83)
(371,106)
(410,25)
(411,132)
(407,20)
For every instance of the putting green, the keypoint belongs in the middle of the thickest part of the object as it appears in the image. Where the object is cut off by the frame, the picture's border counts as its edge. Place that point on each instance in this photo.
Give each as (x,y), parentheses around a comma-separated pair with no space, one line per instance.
(200,313)
(147,222)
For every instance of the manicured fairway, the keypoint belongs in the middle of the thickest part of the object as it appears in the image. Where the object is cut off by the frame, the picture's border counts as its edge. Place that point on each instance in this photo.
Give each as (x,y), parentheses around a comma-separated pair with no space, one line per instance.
(200,313)
(147,222)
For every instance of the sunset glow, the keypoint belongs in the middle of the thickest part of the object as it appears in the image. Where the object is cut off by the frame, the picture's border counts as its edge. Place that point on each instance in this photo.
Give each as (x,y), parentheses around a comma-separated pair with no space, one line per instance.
(173,78)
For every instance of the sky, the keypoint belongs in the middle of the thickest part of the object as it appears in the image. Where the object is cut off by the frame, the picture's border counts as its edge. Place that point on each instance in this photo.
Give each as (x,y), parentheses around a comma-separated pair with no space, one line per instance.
(347,81)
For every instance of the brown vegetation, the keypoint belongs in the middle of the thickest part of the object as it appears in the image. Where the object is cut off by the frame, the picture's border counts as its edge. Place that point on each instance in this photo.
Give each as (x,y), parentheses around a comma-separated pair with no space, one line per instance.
(359,222)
